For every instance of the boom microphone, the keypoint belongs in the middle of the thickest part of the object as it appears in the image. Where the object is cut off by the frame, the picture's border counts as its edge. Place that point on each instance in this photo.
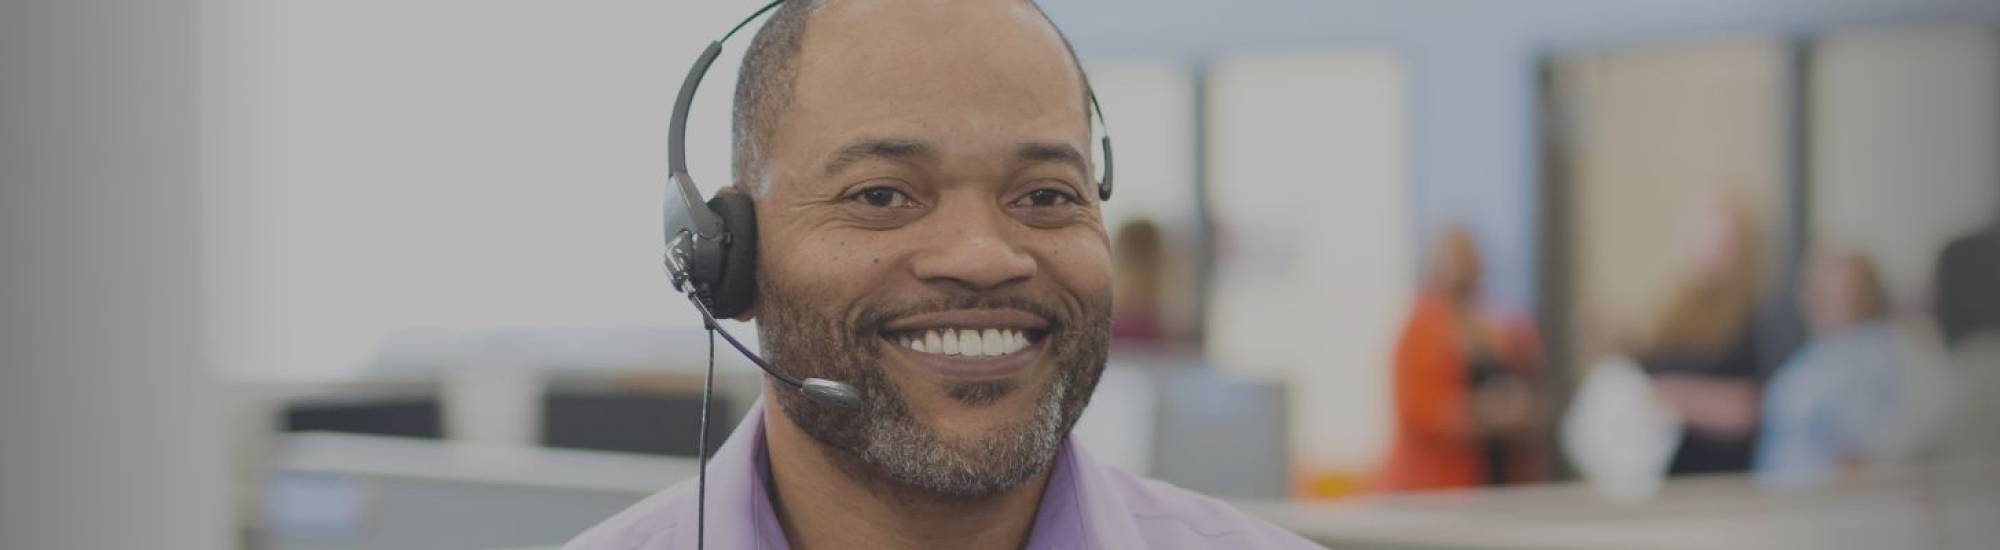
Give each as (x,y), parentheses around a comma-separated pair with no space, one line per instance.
(825,392)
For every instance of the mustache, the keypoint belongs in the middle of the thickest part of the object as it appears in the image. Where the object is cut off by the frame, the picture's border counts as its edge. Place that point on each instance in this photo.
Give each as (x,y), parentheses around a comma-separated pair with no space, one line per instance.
(872,319)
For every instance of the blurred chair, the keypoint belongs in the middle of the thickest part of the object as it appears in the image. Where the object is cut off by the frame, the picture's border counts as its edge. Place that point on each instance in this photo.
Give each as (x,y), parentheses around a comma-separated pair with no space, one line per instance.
(391,415)
(633,422)
(1966,306)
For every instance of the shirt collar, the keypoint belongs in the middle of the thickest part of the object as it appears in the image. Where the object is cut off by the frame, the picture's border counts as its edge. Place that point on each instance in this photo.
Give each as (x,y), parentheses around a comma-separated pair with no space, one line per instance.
(1079,509)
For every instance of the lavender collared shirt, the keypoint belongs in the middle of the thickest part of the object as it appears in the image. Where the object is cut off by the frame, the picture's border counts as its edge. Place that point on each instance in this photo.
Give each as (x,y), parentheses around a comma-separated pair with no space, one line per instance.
(1086,506)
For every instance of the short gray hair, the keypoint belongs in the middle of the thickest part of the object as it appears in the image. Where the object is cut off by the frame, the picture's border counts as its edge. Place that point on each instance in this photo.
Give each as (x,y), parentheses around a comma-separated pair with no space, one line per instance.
(764,89)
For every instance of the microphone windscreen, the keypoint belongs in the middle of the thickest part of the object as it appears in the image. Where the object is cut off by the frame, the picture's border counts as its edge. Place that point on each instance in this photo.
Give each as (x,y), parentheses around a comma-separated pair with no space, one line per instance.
(831,393)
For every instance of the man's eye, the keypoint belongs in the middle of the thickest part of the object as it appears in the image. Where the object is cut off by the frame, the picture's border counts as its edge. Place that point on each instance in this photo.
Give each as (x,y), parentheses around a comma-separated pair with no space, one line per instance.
(1047,196)
(884,197)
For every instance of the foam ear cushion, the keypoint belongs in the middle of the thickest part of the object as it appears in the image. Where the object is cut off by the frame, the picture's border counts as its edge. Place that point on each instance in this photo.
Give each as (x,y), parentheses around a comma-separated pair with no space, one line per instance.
(737,289)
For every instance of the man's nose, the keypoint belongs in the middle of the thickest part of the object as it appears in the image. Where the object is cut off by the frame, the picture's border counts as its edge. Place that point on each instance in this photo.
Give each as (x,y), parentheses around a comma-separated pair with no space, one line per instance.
(976,250)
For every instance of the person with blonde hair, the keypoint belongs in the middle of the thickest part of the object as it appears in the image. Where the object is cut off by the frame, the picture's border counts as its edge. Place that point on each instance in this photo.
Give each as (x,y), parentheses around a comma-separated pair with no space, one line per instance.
(1702,350)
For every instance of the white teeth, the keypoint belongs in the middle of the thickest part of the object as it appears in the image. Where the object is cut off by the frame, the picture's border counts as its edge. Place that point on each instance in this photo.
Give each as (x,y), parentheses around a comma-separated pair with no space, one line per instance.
(967,342)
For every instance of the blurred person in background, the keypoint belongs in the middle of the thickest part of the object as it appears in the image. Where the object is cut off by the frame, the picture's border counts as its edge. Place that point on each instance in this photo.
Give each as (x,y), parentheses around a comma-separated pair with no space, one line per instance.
(1467,413)
(1702,350)
(1138,267)
(1966,305)
(1859,393)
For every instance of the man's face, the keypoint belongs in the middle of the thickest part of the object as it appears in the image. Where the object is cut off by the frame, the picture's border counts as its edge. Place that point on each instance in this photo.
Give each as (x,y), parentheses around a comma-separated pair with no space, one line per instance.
(930,235)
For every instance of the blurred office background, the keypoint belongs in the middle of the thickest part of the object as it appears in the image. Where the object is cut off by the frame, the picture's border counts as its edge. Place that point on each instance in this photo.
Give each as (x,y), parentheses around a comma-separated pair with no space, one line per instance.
(1426,274)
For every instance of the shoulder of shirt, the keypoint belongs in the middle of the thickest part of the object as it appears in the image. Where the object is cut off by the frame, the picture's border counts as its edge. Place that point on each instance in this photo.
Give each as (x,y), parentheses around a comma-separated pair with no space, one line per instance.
(647,525)
(1165,514)
(1160,508)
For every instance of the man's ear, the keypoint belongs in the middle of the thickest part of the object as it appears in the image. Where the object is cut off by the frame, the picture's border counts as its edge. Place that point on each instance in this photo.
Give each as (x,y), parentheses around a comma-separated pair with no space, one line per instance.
(740,266)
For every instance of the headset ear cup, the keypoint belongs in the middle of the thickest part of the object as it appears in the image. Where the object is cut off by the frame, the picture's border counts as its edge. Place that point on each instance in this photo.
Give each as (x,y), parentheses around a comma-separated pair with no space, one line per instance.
(733,293)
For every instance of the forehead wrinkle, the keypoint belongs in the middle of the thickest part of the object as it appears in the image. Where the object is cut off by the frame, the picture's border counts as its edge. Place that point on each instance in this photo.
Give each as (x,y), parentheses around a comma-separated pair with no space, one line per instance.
(892,149)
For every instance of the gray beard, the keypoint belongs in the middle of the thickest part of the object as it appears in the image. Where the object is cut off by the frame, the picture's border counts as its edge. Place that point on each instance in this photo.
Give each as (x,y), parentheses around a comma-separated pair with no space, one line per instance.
(905,451)
(884,443)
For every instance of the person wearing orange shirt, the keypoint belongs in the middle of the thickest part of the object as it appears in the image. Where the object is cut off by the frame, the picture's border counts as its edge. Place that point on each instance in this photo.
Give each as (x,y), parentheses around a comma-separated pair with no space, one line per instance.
(1465,405)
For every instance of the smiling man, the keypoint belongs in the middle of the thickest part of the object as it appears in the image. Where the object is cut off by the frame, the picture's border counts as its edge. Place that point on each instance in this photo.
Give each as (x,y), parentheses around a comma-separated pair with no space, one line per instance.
(930,234)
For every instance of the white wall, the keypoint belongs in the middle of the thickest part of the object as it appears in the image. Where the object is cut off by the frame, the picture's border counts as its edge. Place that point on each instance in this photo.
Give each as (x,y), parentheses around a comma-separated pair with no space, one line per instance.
(378,165)
(1149,108)
(1149,105)
(1309,175)
(110,436)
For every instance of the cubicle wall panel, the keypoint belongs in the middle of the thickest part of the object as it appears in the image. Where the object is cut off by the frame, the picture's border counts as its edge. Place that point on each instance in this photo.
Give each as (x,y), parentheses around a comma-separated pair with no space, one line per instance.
(1646,138)
(1905,145)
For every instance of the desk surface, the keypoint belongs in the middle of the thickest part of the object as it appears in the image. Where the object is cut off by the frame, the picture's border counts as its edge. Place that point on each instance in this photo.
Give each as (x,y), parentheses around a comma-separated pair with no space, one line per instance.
(1946,506)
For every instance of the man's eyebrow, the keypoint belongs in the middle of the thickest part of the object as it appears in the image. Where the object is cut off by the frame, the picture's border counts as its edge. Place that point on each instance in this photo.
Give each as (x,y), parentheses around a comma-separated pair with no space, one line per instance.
(1062,153)
(887,149)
